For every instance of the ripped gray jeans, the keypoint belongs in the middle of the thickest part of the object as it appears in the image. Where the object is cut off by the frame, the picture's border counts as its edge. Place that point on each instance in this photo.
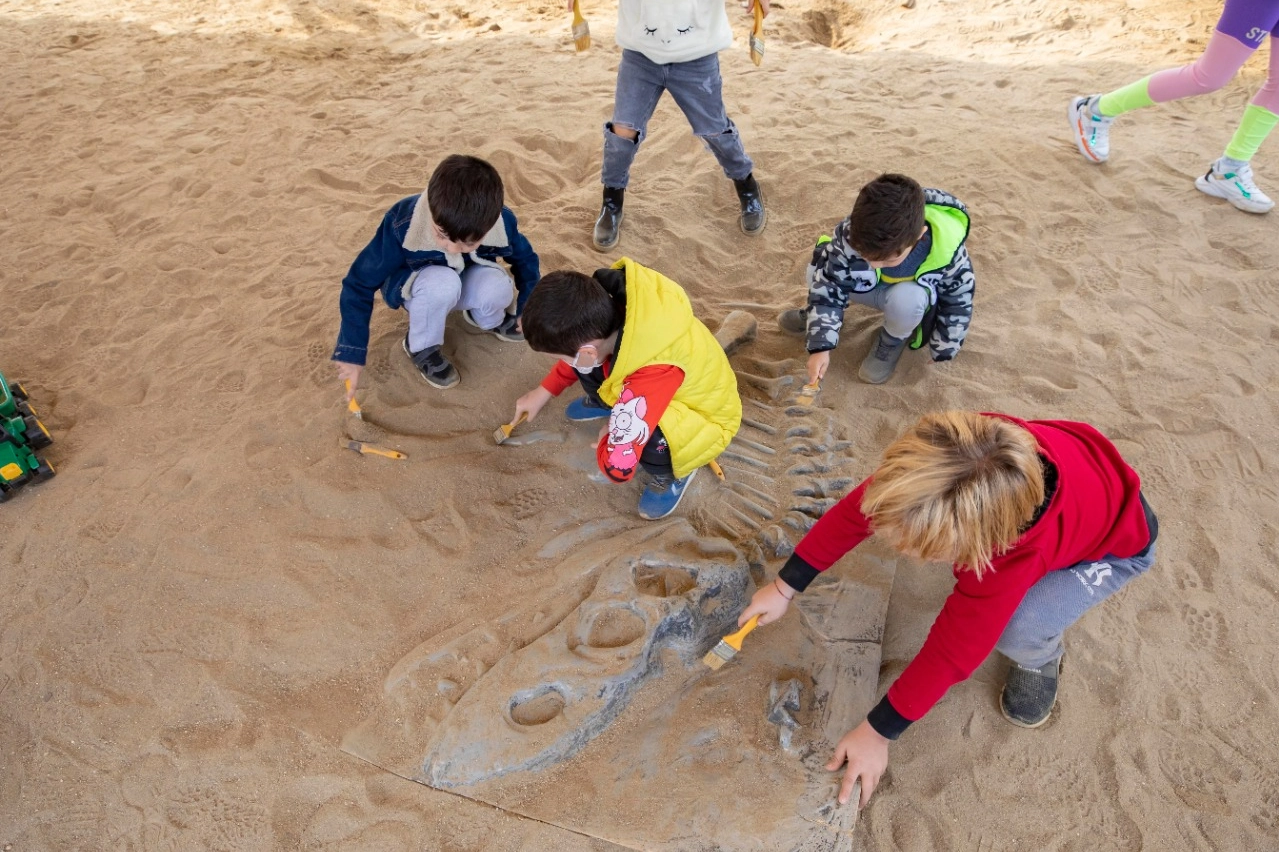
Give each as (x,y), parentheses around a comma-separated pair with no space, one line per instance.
(697,89)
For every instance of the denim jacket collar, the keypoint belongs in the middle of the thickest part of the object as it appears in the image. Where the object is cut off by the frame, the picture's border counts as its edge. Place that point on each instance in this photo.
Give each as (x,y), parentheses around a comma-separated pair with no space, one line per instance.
(421,235)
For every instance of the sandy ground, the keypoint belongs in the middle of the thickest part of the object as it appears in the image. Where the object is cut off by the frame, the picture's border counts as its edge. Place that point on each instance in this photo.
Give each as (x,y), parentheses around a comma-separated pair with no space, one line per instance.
(211,594)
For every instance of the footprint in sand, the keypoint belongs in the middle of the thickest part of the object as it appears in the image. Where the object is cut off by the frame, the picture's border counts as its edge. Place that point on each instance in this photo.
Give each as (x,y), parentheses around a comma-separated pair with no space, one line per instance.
(322,372)
(528,503)
(1265,815)
(1207,627)
(210,817)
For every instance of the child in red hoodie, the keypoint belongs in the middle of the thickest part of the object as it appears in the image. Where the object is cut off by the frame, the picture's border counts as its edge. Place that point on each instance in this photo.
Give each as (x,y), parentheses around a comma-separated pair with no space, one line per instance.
(1042,520)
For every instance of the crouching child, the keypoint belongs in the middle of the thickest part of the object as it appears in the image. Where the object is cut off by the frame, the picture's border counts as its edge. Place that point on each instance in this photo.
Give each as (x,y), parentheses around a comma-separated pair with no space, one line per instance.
(628,335)
(434,253)
(1042,520)
(901,251)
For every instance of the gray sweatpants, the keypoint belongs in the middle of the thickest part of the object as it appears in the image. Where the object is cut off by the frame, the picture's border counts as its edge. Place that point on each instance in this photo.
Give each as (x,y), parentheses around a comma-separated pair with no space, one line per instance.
(1033,638)
(435,290)
(904,305)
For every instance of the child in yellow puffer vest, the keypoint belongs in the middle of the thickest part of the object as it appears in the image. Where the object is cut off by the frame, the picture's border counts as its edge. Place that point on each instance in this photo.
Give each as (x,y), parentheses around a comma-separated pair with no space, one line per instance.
(628,334)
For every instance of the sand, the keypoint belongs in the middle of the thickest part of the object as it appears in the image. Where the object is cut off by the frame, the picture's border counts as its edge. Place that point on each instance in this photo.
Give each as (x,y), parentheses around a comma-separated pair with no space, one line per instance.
(212,595)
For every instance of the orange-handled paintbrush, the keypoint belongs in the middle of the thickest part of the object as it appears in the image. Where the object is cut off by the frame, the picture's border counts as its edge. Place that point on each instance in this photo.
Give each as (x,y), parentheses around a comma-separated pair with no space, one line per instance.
(808,393)
(757,34)
(729,645)
(581,32)
(351,405)
(503,432)
(371,449)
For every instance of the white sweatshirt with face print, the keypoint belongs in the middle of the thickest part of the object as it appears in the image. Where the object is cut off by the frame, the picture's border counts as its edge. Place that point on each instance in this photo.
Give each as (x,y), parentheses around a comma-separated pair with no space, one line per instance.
(673,30)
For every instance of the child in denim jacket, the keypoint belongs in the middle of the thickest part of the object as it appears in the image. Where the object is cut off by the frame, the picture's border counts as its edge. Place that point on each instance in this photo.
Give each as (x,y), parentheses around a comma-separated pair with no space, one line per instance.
(434,253)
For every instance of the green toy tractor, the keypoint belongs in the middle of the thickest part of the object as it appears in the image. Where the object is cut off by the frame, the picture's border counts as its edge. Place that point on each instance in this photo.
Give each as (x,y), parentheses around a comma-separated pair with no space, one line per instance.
(21,434)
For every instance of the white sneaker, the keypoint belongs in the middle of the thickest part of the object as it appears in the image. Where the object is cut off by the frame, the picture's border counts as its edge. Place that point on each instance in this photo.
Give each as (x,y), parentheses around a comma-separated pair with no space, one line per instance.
(1236,187)
(1092,134)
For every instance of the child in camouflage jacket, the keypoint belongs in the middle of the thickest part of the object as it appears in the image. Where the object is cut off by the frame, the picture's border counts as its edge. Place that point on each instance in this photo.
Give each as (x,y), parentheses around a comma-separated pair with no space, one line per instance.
(902,251)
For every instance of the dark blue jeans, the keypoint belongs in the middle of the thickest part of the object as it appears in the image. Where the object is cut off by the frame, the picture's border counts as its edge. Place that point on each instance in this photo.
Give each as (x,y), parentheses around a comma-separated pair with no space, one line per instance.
(696,88)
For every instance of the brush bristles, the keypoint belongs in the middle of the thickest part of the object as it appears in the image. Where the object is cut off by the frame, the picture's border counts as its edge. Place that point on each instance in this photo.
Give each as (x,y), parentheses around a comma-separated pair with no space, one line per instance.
(582,36)
(501,434)
(719,655)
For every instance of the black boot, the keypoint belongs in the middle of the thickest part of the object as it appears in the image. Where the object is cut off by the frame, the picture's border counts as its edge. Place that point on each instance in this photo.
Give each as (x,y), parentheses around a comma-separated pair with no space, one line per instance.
(609,224)
(753,214)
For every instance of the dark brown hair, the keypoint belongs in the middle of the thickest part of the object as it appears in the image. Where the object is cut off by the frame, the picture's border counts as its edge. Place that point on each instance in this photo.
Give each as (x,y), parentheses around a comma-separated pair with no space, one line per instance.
(465,197)
(887,217)
(566,310)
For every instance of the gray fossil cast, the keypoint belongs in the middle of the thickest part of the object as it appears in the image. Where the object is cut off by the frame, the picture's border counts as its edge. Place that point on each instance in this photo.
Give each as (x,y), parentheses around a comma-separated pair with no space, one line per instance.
(558,693)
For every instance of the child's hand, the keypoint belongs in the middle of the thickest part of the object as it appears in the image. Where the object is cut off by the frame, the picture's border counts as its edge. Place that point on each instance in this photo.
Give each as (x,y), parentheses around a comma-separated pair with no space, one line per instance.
(349,373)
(748,5)
(817,364)
(531,403)
(867,755)
(769,603)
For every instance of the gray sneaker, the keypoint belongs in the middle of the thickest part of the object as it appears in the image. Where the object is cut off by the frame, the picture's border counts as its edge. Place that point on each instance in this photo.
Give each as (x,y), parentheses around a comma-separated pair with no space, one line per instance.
(794,321)
(1029,694)
(508,329)
(882,359)
(433,366)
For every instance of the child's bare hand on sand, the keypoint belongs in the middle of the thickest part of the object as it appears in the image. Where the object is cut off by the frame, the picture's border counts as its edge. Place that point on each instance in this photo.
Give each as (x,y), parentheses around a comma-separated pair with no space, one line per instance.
(769,603)
(817,364)
(531,403)
(749,6)
(866,753)
(349,373)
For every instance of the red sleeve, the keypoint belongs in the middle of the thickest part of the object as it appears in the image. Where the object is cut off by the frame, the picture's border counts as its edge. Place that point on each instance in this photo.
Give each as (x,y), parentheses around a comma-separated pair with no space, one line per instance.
(560,378)
(965,631)
(842,528)
(646,394)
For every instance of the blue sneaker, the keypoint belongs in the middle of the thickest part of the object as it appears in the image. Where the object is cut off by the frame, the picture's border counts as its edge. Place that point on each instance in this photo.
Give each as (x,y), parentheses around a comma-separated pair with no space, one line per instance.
(662,495)
(586,409)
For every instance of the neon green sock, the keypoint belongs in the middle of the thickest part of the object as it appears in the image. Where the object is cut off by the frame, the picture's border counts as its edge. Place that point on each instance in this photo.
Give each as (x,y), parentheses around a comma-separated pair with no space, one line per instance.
(1133,96)
(1254,127)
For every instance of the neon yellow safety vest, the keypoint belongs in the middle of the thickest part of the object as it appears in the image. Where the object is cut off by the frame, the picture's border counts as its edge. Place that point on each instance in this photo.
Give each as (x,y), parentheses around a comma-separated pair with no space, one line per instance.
(950,228)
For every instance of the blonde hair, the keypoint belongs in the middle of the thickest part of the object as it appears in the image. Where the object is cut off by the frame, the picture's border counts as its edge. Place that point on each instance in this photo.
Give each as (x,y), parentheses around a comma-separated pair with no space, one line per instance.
(958,487)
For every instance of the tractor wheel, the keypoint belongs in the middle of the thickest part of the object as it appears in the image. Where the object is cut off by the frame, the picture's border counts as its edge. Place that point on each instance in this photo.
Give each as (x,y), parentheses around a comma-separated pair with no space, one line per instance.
(17,390)
(43,472)
(5,492)
(24,407)
(38,437)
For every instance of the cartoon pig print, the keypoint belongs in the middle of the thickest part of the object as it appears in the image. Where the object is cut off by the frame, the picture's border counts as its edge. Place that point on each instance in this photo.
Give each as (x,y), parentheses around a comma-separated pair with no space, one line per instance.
(626,431)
